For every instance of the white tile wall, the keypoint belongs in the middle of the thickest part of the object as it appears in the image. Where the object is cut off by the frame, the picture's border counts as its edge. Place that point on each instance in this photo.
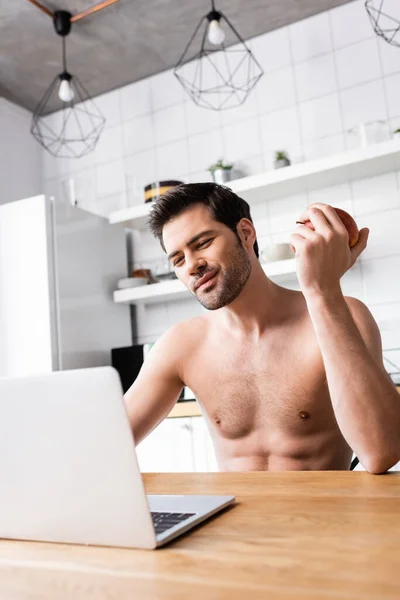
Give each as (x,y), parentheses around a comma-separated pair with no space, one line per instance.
(375,194)
(284,212)
(350,24)
(140,170)
(389,57)
(384,238)
(333,144)
(381,282)
(170,124)
(338,196)
(151,320)
(323,76)
(110,178)
(280,130)
(311,37)
(138,134)
(165,90)
(392,86)
(204,149)
(276,90)
(200,120)
(358,63)
(109,146)
(242,140)
(273,50)
(352,283)
(315,77)
(243,112)
(172,160)
(136,100)
(184,309)
(251,165)
(199,177)
(388,318)
(320,118)
(110,106)
(363,103)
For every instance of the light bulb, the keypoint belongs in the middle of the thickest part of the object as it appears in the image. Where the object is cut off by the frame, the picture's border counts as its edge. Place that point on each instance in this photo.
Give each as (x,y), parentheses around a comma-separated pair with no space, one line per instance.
(216,34)
(65,91)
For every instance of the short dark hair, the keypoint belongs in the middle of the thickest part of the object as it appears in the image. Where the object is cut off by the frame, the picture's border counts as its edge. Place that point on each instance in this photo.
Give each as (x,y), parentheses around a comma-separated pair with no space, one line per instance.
(225,206)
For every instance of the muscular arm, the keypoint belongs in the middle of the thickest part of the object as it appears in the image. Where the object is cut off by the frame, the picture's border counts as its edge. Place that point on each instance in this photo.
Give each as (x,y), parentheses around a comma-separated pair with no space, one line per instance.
(365,401)
(157,387)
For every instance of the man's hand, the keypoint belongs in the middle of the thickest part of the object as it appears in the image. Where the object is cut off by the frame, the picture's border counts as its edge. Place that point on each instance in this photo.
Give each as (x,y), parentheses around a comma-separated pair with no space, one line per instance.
(323,254)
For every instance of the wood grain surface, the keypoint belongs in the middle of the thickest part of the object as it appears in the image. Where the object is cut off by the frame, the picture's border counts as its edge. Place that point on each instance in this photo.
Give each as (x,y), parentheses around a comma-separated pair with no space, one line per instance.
(293,535)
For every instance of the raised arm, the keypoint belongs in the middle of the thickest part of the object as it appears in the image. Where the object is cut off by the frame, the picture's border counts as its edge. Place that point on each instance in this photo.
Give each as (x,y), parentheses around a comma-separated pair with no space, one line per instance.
(157,387)
(365,401)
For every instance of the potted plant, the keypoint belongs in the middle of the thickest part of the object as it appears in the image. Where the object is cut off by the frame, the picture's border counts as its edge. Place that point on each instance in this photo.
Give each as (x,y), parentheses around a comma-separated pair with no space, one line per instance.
(221,172)
(396,133)
(281,159)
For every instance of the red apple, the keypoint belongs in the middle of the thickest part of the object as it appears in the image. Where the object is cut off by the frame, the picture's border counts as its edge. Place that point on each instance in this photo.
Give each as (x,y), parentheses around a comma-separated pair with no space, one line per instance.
(347,221)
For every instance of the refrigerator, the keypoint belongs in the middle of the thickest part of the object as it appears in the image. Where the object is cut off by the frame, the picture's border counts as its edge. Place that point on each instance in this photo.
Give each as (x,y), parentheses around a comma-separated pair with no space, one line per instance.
(59,266)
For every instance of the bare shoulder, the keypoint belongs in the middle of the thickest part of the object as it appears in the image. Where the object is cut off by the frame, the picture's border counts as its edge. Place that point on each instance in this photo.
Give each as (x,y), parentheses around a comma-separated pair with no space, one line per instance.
(168,355)
(360,312)
(189,329)
(181,337)
(367,326)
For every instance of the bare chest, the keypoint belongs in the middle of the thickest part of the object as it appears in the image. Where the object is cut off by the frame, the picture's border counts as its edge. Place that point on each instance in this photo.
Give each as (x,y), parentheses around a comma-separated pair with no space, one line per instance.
(275,389)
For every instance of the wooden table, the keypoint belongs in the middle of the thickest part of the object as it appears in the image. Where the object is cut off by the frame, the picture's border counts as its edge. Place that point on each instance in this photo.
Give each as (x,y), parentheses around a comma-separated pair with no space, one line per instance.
(294,535)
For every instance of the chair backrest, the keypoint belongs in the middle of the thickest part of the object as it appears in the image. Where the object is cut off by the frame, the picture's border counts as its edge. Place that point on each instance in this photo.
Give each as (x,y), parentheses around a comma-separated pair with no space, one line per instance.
(354,463)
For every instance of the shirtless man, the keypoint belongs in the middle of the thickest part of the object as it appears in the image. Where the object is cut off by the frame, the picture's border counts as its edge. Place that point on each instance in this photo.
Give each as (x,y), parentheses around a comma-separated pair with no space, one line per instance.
(287,380)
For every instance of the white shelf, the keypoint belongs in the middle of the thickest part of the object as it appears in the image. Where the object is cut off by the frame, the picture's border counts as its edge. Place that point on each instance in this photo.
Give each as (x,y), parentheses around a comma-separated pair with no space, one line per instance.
(355,164)
(376,159)
(134,217)
(280,271)
(152,293)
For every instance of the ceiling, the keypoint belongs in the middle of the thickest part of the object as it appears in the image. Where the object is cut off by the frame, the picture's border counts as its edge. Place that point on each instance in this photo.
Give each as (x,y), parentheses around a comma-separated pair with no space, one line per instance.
(123,43)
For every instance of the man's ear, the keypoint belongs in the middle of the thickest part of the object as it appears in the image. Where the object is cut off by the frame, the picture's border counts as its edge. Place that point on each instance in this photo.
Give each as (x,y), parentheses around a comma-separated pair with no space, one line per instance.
(246,232)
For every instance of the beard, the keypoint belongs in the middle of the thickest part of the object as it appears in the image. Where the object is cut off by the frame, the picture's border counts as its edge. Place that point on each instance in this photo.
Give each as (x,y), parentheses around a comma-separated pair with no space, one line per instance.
(229,281)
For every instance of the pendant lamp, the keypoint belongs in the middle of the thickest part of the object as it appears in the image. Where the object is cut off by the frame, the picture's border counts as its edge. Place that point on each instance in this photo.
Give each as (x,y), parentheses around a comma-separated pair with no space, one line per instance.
(217,69)
(76,127)
(385,19)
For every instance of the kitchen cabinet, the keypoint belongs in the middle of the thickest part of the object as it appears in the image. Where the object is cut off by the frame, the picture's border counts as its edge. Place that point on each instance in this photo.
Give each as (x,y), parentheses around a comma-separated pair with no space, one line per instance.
(203,448)
(168,449)
(176,446)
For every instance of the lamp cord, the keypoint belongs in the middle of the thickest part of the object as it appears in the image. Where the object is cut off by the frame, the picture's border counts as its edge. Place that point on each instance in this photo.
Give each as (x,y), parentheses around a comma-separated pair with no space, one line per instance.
(64,55)
(213,5)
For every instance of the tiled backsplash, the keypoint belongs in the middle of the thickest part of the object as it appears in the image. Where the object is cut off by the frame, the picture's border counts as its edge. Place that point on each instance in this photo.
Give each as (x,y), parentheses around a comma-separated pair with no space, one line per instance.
(322,77)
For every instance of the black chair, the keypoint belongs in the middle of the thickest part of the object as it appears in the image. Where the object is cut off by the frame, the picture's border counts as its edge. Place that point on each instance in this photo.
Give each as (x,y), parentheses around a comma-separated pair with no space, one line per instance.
(354,463)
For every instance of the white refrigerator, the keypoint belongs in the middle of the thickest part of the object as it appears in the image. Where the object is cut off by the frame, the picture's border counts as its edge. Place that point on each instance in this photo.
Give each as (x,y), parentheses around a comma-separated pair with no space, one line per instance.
(59,266)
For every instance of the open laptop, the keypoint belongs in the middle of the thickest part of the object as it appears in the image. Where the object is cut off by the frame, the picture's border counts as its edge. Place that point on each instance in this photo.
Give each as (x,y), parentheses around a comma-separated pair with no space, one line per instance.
(68,467)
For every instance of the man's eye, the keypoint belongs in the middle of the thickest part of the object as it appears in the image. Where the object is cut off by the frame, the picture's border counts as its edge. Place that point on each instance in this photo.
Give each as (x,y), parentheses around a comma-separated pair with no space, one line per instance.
(204,243)
(177,262)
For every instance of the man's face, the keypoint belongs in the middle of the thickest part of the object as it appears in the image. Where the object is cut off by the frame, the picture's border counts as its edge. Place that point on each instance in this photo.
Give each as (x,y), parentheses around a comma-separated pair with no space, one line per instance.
(206,256)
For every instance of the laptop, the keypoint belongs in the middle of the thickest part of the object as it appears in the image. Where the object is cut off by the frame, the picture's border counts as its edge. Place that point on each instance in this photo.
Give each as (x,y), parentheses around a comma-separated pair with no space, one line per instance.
(68,467)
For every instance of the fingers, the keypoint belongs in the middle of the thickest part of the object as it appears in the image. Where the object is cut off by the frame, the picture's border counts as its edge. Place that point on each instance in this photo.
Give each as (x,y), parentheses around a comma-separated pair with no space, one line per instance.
(325,220)
(361,244)
(297,242)
(318,220)
(332,217)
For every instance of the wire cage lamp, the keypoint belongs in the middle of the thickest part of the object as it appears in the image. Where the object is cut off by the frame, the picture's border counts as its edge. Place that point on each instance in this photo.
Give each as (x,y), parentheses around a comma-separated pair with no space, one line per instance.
(74,130)
(217,69)
(385,19)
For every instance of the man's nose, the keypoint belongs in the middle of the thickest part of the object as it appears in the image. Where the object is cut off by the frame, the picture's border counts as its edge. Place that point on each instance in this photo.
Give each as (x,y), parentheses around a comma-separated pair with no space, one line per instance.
(195,265)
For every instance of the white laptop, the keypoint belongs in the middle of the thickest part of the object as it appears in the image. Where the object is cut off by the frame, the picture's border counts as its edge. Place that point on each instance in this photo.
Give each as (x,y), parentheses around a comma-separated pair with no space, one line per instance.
(68,467)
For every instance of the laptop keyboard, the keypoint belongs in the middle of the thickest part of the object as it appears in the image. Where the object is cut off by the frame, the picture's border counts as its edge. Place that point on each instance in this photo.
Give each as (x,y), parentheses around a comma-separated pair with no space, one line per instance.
(165,520)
